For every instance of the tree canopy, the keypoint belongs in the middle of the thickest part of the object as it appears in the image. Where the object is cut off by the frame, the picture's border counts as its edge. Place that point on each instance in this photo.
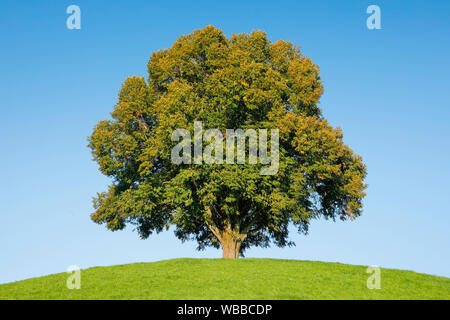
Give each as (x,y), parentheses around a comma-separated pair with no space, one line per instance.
(245,81)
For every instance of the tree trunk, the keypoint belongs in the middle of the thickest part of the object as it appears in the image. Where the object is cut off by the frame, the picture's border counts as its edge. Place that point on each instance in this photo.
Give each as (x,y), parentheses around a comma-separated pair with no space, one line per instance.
(230,249)
(229,239)
(231,245)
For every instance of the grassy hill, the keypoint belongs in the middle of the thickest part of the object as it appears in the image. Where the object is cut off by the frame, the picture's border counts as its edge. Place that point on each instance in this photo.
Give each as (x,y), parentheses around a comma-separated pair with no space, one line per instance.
(228,279)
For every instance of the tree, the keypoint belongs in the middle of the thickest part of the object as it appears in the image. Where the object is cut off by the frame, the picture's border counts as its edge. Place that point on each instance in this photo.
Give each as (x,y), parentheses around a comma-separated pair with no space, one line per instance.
(244,82)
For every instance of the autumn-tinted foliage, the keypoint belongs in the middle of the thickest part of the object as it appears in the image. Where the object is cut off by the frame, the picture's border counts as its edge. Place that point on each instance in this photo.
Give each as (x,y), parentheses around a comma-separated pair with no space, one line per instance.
(244,82)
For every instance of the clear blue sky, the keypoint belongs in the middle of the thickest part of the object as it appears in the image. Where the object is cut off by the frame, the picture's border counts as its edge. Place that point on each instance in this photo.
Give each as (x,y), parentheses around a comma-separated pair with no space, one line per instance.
(388,89)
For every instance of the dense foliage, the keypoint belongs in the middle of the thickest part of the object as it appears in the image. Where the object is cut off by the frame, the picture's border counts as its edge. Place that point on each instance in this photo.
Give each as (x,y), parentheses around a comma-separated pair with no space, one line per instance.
(244,82)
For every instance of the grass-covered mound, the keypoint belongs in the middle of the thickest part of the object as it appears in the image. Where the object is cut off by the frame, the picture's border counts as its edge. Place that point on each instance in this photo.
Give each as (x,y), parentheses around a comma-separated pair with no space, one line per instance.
(231,279)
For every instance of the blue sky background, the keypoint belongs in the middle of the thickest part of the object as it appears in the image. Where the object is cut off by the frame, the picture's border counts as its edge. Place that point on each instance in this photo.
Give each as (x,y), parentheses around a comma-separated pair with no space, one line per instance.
(388,89)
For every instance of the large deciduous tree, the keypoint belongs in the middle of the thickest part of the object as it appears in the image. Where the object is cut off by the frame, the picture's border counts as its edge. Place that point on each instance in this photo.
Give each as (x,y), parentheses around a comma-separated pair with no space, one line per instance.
(246,82)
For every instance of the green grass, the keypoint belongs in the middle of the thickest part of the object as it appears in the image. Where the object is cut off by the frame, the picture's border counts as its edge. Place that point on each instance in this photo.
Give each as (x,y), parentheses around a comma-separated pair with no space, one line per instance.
(231,279)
